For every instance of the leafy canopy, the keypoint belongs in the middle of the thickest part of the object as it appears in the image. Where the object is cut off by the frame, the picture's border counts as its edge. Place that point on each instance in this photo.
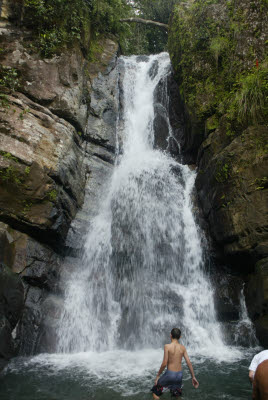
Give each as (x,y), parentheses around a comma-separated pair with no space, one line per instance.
(60,23)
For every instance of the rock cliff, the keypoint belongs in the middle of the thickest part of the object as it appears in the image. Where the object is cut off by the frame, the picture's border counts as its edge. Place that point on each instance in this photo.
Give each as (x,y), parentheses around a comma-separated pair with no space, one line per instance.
(217,49)
(57,143)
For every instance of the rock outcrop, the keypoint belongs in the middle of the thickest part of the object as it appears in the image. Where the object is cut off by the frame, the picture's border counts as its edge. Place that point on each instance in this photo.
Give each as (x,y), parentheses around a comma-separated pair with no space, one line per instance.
(57,144)
(218,53)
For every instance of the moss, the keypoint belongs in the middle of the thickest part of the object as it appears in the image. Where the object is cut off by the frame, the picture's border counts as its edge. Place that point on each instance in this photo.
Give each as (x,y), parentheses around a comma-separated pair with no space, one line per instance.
(26,206)
(13,174)
(4,102)
(222,172)
(260,183)
(94,51)
(10,175)
(22,113)
(8,156)
(212,123)
(52,195)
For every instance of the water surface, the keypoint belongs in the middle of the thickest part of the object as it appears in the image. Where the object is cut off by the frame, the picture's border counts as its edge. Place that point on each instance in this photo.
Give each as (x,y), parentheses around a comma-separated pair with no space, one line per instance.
(120,375)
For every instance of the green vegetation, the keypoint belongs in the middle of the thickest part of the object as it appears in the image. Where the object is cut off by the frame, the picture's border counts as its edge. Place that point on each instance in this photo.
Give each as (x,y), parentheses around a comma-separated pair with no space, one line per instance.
(217,47)
(260,183)
(26,206)
(10,175)
(52,195)
(248,104)
(4,102)
(13,173)
(22,113)
(223,173)
(148,39)
(215,78)
(9,81)
(61,23)
(8,156)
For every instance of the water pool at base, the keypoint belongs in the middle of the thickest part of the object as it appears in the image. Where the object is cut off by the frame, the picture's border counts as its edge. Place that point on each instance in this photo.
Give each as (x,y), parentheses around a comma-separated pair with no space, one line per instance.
(118,375)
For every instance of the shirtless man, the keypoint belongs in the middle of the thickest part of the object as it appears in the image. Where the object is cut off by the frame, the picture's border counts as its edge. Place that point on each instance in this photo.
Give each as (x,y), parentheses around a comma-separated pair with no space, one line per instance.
(172,378)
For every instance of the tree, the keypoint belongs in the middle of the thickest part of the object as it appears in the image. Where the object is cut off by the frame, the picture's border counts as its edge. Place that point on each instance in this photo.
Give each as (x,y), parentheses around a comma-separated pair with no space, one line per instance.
(154,39)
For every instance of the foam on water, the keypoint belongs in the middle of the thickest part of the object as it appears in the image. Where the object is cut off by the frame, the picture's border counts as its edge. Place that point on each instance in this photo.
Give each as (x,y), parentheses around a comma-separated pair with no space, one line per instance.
(126,372)
(110,365)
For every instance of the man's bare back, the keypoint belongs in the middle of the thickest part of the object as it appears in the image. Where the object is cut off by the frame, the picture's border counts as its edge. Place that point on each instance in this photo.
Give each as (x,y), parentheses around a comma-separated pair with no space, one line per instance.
(173,354)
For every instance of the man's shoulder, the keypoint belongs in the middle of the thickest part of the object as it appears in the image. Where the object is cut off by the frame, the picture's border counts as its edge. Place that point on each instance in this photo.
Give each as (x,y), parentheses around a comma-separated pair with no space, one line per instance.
(261,354)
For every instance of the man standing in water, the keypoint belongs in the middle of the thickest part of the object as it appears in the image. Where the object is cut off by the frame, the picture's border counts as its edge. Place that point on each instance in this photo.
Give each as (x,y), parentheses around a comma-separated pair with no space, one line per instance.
(172,378)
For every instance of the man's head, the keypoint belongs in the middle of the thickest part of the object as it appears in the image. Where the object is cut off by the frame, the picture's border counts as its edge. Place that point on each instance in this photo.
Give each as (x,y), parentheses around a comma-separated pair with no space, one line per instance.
(175,333)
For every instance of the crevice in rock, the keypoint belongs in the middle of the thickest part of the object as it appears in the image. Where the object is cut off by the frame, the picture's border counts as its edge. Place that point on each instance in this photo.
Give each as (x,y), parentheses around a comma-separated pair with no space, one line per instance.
(61,114)
(104,158)
(100,142)
(45,236)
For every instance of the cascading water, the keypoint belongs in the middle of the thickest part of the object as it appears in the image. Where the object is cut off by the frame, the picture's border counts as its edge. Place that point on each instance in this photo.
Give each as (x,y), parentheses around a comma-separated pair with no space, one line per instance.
(142,273)
(142,269)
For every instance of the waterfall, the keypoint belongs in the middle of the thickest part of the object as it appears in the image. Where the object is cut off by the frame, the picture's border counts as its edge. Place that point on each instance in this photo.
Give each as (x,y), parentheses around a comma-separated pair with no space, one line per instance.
(244,332)
(142,270)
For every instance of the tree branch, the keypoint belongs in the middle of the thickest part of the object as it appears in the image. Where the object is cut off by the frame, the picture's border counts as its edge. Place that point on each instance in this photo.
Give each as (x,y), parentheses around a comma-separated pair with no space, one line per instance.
(146,22)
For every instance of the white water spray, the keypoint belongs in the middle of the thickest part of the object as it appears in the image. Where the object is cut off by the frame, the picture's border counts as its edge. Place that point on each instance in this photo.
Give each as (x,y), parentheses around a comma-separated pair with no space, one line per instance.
(142,269)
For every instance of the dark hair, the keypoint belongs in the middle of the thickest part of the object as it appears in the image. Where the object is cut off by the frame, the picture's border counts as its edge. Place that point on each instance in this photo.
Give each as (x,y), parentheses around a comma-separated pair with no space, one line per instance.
(175,333)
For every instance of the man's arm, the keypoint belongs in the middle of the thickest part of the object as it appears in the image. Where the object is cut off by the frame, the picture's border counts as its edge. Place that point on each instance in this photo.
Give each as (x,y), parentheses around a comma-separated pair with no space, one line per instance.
(251,375)
(187,359)
(252,368)
(164,363)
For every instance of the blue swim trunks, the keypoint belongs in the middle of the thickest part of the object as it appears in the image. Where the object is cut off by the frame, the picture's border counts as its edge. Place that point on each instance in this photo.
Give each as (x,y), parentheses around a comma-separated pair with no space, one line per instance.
(171,380)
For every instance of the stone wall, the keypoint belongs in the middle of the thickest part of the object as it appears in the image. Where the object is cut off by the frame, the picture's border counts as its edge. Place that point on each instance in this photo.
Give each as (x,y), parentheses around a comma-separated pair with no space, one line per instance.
(57,144)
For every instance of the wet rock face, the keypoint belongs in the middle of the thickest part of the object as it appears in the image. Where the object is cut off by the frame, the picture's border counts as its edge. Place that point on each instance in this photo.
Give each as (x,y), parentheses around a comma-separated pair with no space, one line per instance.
(227,294)
(42,172)
(257,299)
(11,306)
(35,269)
(41,157)
(167,97)
(232,196)
(57,144)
